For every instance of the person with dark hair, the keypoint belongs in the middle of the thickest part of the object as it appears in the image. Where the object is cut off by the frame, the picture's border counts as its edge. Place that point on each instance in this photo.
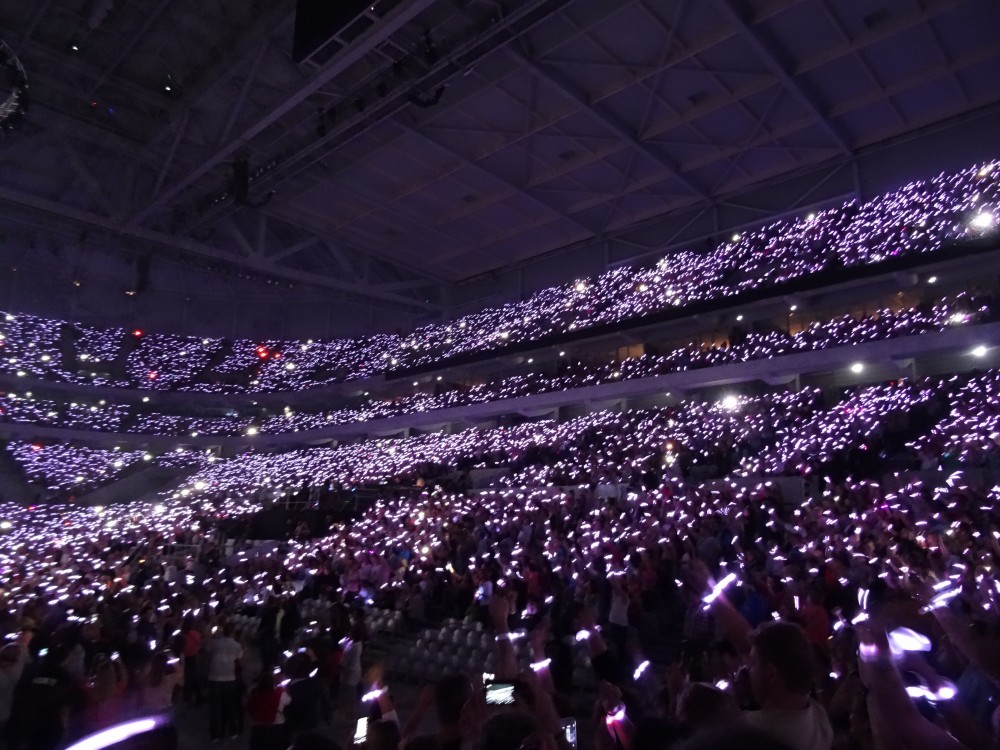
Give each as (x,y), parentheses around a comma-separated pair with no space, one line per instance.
(44,699)
(224,713)
(423,742)
(782,674)
(350,669)
(383,735)
(313,741)
(702,706)
(291,620)
(508,730)
(105,695)
(449,697)
(735,738)
(266,706)
(191,650)
(309,705)
(13,659)
(159,682)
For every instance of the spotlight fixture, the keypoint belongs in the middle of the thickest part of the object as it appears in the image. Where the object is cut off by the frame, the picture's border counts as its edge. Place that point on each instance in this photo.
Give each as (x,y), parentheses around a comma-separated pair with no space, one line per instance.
(857,368)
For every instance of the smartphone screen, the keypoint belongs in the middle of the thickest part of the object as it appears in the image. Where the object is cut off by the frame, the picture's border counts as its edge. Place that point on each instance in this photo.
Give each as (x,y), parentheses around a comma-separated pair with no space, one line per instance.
(569,732)
(500,694)
(361,730)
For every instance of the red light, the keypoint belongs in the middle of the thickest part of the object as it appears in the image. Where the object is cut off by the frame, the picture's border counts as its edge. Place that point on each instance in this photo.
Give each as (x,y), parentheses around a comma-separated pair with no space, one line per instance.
(152,375)
(36,447)
(137,332)
(277,356)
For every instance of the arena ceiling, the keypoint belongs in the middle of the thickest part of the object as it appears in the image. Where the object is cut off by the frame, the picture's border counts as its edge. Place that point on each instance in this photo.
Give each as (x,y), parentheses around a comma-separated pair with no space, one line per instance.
(436,140)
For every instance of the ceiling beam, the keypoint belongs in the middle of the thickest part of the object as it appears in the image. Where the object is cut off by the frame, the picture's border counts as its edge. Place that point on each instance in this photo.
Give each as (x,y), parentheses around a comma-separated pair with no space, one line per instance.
(293,249)
(80,217)
(485,38)
(310,221)
(513,187)
(782,71)
(211,78)
(394,21)
(151,16)
(569,90)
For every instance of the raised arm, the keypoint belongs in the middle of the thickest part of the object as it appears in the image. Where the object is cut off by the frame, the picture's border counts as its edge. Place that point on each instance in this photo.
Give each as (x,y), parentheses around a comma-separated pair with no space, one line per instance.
(896,722)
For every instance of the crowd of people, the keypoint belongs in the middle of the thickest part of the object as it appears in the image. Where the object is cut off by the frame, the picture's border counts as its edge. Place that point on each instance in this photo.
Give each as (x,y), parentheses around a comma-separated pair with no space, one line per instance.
(743,345)
(788,569)
(634,579)
(943,423)
(918,219)
(73,470)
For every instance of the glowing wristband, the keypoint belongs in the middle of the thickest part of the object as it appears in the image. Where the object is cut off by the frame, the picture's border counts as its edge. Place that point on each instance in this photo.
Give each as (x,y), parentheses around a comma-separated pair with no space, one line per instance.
(868,652)
(905,639)
(946,692)
(615,715)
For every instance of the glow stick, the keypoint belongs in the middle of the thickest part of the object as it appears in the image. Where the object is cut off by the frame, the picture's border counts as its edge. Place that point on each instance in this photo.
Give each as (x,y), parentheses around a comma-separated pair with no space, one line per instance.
(639,670)
(116,734)
(717,590)
(538,666)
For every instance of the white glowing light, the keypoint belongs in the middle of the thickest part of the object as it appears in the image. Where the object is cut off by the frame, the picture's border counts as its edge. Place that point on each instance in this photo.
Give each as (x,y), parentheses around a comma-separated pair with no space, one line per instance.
(905,639)
(717,589)
(117,734)
(639,670)
(982,221)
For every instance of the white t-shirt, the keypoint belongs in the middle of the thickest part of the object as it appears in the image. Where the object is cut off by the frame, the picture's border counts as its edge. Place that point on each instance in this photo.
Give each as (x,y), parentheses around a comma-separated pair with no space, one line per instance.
(223,653)
(350,665)
(618,613)
(805,729)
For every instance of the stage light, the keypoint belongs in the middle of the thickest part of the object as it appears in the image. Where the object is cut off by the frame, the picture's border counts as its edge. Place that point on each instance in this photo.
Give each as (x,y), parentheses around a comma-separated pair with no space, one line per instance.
(857,368)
